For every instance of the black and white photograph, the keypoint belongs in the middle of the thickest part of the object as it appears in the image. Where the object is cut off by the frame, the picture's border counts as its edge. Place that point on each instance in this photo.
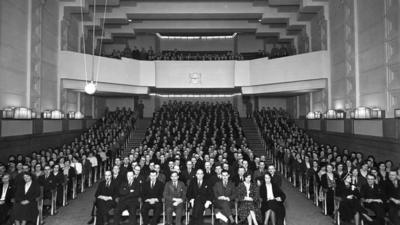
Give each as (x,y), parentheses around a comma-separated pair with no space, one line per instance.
(199,112)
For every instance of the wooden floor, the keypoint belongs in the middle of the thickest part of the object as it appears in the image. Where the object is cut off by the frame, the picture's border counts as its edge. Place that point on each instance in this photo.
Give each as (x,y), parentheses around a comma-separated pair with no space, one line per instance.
(299,210)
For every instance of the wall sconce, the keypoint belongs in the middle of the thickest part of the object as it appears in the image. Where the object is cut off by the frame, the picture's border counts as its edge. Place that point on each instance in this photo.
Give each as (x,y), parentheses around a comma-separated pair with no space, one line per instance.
(335,114)
(362,113)
(352,114)
(397,113)
(56,115)
(8,113)
(71,115)
(79,115)
(377,113)
(340,114)
(46,114)
(314,115)
(331,114)
(22,113)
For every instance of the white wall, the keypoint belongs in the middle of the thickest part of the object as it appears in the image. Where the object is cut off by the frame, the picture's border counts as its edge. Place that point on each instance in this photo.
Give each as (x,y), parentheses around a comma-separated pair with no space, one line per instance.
(197,45)
(272,102)
(249,43)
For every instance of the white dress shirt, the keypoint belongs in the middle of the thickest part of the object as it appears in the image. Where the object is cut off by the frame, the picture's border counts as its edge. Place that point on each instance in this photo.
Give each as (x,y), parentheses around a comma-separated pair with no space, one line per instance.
(247,185)
(270,193)
(4,192)
(78,167)
(27,186)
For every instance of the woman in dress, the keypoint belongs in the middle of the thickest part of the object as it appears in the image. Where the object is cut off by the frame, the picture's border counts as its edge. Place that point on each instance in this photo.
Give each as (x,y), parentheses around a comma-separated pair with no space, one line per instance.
(328,183)
(248,201)
(272,198)
(25,207)
(350,205)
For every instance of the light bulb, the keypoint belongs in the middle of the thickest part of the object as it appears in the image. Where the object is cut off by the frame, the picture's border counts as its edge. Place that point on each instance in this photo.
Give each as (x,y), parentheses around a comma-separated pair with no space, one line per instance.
(90,88)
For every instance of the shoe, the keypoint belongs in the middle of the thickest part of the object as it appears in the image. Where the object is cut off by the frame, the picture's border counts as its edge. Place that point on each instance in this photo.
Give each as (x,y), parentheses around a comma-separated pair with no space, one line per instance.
(91,221)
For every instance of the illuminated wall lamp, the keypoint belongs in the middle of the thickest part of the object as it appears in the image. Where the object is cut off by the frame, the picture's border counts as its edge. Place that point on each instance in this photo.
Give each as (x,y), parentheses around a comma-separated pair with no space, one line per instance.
(377,113)
(22,113)
(71,115)
(56,115)
(46,114)
(397,113)
(340,114)
(8,113)
(79,115)
(331,114)
(363,113)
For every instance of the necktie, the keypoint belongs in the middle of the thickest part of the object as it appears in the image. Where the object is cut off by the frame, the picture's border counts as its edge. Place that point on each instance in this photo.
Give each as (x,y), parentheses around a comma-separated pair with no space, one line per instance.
(199,183)
(108,184)
(152,185)
(224,184)
(130,183)
(175,185)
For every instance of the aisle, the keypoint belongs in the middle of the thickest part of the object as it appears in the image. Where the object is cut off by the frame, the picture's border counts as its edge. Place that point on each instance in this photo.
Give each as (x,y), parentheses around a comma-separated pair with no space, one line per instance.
(77,212)
(300,210)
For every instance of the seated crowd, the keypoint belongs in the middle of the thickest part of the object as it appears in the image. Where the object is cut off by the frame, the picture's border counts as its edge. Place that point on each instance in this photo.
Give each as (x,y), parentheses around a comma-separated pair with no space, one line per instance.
(193,158)
(346,184)
(175,54)
(41,182)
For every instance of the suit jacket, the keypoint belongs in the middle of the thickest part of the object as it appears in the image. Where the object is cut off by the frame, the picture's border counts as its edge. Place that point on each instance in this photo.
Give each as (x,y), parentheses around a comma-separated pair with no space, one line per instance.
(155,192)
(9,194)
(236,179)
(31,195)
(277,192)
(213,180)
(86,167)
(48,183)
(202,193)
(259,175)
(171,192)
(111,191)
(276,179)
(118,179)
(187,177)
(129,193)
(220,190)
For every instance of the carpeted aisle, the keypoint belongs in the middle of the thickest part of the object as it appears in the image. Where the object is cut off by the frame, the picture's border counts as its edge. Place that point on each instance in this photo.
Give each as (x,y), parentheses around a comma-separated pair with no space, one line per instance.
(77,212)
(300,210)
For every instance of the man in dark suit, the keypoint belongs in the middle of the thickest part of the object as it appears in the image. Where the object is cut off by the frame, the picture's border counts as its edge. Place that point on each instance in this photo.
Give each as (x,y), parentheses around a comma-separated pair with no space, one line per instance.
(200,194)
(216,176)
(152,193)
(224,193)
(188,173)
(372,197)
(105,198)
(239,178)
(117,176)
(128,198)
(47,181)
(175,197)
(275,177)
(6,194)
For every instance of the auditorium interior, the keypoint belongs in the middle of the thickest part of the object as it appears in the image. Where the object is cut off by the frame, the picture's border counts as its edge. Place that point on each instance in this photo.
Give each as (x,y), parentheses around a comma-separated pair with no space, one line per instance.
(217,112)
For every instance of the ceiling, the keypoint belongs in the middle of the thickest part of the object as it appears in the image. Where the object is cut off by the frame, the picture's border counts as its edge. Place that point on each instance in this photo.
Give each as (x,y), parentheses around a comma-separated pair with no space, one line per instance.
(124,19)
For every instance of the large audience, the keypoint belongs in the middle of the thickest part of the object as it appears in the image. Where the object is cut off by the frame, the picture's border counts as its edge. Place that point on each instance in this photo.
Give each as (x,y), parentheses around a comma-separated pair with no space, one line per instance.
(49,178)
(150,54)
(348,185)
(195,160)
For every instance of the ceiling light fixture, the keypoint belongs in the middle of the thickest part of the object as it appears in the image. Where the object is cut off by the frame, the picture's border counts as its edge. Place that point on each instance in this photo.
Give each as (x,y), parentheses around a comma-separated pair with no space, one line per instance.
(129,20)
